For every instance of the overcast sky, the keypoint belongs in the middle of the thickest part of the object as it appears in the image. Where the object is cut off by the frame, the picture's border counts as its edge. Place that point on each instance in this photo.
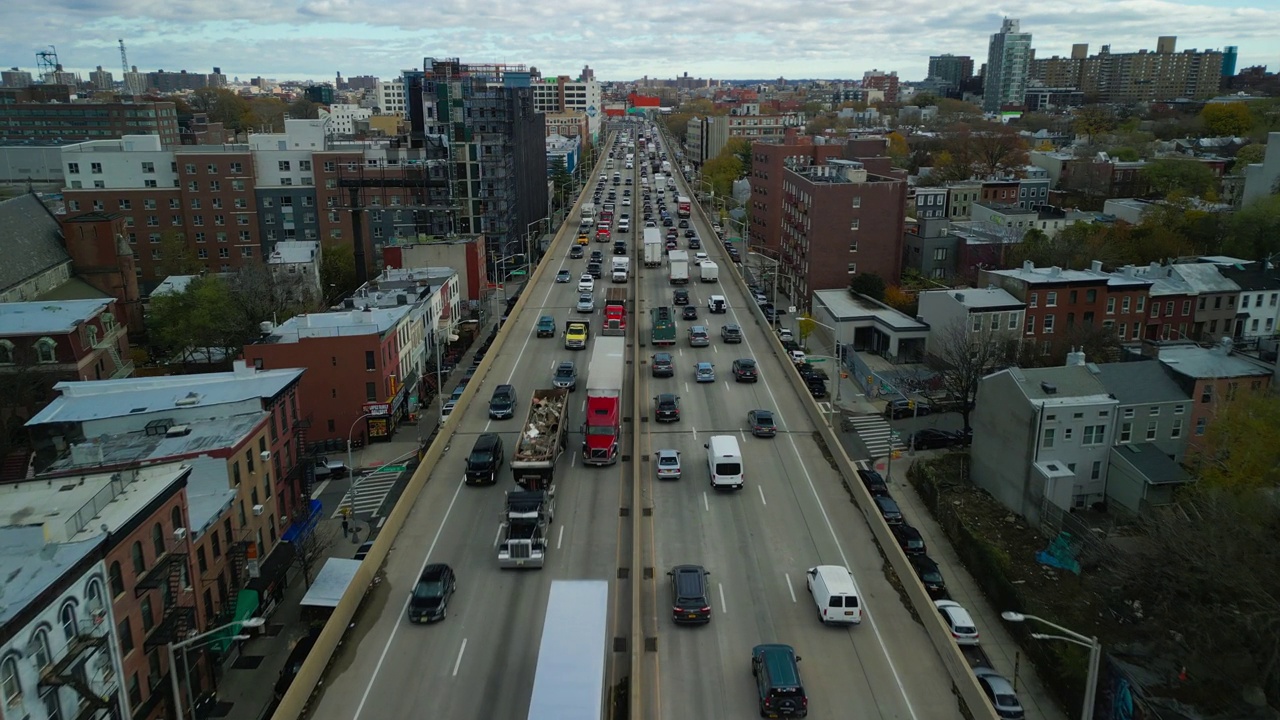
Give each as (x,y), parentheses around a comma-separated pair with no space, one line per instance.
(299,39)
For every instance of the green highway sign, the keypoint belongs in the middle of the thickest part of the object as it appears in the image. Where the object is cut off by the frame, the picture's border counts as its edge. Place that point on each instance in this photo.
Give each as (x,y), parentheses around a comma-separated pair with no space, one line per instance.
(815,360)
(392,468)
(515,273)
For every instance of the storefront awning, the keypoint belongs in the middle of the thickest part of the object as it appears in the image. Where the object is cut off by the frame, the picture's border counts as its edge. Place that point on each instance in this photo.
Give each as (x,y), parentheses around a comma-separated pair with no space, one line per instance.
(300,529)
(246,605)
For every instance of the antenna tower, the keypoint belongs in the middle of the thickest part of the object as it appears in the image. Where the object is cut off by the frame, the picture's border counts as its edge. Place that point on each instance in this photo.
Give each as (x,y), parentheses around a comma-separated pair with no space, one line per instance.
(47,62)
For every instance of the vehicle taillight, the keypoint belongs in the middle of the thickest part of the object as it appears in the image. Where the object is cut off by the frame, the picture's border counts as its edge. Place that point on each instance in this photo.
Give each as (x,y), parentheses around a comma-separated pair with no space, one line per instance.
(706,609)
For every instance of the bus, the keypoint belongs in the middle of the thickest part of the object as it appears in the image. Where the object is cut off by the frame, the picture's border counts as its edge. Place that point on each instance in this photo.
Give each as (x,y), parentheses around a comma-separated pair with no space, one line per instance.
(569,683)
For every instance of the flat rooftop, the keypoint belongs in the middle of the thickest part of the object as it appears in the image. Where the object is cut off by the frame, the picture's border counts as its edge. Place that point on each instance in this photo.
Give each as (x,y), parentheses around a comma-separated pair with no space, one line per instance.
(52,316)
(30,565)
(343,323)
(199,437)
(847,308)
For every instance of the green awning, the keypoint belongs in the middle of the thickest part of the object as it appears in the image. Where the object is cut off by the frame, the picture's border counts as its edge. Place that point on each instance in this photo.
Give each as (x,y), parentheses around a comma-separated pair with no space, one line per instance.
(246,604)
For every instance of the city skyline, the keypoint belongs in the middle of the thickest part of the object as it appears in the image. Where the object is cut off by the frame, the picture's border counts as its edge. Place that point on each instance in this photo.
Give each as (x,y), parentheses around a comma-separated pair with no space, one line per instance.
(316,39)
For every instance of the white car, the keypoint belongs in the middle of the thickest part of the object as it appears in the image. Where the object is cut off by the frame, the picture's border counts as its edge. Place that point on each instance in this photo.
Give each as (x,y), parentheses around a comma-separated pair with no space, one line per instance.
(626,202)
(699,258)
(958,622)
(586,283)
(668,464)
(586,303)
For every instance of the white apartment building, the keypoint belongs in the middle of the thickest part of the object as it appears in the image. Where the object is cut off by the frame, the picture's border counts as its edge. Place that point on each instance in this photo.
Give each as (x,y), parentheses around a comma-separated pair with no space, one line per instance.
(561,95)
(391,98)
(342,117)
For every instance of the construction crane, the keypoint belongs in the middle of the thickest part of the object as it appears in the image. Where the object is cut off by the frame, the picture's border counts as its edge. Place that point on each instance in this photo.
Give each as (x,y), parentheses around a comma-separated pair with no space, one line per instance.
(47,62)
(124,59)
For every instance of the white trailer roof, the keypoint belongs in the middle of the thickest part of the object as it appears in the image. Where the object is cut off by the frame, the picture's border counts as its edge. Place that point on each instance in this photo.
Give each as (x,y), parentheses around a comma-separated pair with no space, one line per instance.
(331,582)
(569,683)
(608,361)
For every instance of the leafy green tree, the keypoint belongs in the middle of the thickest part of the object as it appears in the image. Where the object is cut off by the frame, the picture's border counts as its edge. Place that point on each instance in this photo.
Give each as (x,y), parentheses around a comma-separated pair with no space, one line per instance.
(898,149)
(267,114)
(1254,231)
(561,181)
(1093,121)
(869,284)
(176,256)
(196,324)
(1227,119)
(223,106)
(337,272)
(1169,176)
(1248,155)
(1241,449)
(1125,154)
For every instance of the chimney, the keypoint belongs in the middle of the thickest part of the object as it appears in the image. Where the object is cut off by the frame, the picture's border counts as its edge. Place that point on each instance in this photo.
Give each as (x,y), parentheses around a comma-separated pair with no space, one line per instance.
(1028,265)
(1096,266)
(1075,357)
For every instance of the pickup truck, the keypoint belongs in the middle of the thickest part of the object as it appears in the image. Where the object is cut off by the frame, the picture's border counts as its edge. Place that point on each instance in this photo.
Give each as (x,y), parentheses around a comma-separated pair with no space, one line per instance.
(576,333)
(326,468)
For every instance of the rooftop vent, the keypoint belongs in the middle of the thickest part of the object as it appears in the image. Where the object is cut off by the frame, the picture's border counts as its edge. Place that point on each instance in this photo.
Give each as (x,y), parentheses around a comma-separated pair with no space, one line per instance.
(191,398)
(1049,388)
(178,431)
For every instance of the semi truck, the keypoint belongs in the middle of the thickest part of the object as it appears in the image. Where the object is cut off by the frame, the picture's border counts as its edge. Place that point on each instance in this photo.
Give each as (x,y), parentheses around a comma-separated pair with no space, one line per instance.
(663,328)
(678,267)
(576,334)
(683,206)
(588,215)
(621,269)
(543,438)
(602,432)
(526,525)
(709,271)
(569,682)
(659,183)
(615,312)
(652,247)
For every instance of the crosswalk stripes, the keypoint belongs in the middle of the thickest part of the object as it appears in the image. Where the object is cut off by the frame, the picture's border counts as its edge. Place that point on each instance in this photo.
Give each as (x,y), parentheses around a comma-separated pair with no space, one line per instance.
(369,493)
(875,434)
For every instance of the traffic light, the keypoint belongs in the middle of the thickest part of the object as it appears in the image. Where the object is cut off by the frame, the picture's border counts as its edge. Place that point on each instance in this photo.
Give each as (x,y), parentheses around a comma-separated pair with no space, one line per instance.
(911,404)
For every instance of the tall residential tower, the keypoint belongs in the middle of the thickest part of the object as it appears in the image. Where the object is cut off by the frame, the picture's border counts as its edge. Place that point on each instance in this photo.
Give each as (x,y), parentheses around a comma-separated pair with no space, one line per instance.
(1008,66)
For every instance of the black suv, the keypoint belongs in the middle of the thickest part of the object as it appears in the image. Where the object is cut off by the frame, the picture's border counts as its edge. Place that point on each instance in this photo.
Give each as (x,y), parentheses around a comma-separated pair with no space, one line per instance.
(666,407)
(874,481)
(430,598)
(744,370)
(779,690)
(909,539)
(294,663)
(503,403)
(484,460)
(680,297)
(930,576)
(662,365)
(690,602)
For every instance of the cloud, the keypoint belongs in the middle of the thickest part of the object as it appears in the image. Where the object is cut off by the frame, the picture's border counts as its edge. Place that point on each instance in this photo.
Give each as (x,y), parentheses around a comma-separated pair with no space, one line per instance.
(658,38)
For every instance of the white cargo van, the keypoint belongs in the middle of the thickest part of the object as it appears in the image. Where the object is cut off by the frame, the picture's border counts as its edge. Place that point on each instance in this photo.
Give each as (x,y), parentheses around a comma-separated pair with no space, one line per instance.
(835,594)
(724,462)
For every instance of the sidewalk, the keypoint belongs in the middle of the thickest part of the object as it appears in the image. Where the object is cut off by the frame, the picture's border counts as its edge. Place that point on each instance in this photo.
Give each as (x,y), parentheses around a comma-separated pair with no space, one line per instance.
(1000,648)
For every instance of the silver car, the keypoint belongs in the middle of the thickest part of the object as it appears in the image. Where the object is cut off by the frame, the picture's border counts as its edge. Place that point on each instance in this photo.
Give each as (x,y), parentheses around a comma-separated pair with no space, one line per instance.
(586,302)
(668,464)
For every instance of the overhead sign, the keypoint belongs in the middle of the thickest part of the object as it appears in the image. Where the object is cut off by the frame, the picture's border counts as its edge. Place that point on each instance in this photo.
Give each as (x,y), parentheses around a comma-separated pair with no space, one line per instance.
(591,111)
(377,408)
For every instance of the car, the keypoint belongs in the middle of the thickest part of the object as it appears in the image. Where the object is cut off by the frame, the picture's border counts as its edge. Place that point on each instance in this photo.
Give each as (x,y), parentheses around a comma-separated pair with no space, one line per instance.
(690,233)
(666,408)
(429,600)
(620,248)
(690,312)
(595,268)
(690,595)
(485,460)
(731,333)
(667,221)
(762,423)
(649,223)
(704,372)
(930,576)
(502,404)
(546,326)
(662,366)
(932,439)
(873,481)
(672,244)
(564,276)
(575,253)
(626,201)
(673,237)
(684,224)
(889,509)
(597,255)
(586,302)
(745,370)
(1001,693)
(694,243)
(779,691)
(447,410)
(565,376)
(958,621)
(698,336)
(909,539)
(699,258)
(904,408)
(817,387)
(586,283)
(293,664)
(680,297)
(668,464)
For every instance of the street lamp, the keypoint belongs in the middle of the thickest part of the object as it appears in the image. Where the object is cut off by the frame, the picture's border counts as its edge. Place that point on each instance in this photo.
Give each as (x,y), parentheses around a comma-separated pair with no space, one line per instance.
(350,467)
(448,337)
(1075,638)
(253,622)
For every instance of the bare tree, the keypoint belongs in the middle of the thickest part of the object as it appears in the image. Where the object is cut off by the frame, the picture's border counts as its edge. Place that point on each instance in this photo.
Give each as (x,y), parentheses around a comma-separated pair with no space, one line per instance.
(962,356)
(312,549)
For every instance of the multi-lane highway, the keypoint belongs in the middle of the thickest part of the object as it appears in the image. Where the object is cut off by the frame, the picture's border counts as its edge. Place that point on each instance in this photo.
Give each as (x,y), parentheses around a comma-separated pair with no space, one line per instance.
(757,542)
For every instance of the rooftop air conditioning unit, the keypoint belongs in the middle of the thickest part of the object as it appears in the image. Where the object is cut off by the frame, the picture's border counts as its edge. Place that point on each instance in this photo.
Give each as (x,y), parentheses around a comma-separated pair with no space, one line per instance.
(179,534)
(178,431)
(258,510)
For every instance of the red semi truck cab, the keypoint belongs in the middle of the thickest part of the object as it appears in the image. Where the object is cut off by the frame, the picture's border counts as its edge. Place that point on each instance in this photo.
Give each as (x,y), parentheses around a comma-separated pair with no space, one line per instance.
(602,432)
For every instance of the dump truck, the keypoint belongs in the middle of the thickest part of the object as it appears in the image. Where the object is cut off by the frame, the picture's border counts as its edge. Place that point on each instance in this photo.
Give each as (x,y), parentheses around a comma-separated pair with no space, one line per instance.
(576,333)
(543,438)
(663,326)
(615,312)
(602,432)
(678,267)
(526,528)
(652,247)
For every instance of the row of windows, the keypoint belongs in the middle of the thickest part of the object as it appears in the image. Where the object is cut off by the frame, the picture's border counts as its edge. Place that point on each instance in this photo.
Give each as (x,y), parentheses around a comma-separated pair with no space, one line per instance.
(40,650)
(46,350)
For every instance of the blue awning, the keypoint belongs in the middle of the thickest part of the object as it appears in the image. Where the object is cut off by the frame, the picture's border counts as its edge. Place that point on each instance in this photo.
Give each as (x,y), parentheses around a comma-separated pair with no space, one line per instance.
(299,531)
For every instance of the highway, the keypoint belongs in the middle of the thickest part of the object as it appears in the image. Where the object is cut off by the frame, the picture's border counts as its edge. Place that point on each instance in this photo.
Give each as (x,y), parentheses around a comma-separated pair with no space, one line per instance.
(792,514)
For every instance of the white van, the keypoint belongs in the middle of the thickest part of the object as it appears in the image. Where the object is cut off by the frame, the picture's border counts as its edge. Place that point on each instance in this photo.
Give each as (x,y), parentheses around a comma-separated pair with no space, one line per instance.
(835,594)
(724,462)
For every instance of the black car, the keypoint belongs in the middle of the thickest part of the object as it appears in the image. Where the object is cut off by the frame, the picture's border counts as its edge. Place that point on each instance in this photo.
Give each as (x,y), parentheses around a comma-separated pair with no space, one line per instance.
(690,233)
(430,598)
(930,576)
(909,539)
(932,439)
(668,222)
(903,408)
(817,387)
(873,481)
(762,423)
(684,224)
(597,256)
(745,370)
(694,244)
(680,297)
(779,691)
(594,269)
(889,509)
(666,407)
(690,312)
(662,365)
(502,405)
(484,460)
(620,248)
(297,656)
(690,600)
(575,252)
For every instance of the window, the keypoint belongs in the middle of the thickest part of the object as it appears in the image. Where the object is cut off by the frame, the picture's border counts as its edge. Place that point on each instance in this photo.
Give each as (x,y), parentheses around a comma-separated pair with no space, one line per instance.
(148,167)
(1206,394)
(304,165)
(1048,438)
(1126,432)
(1200,425)
(1051,299)
(1031,324)
(148,618)
(115,579)
(157,539)
(1066,433)
(1111,306)
(70,623)
(1155,310)
(1048,324)
(10,683)
(1013,321)
(1151,429)
(46,350)
(853,268)
(284,166)
(854,224)
(1096,472)
(370,391)
(40,649)
(1186,307)
(1124,305)
(1176,432)
(73,168)
(853,246)
(977,323)
(215,186)
(1142,303)
(237,168)
(331,166)
(95,168)
(125,631)
(1094,434)
(139,560)
(224,253)
(940,254)
(1179,409)
(202,253)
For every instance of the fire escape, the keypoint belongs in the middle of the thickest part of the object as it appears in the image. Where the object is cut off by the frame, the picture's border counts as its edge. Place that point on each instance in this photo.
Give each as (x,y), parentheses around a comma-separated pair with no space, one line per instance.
(87,660)
(170,575)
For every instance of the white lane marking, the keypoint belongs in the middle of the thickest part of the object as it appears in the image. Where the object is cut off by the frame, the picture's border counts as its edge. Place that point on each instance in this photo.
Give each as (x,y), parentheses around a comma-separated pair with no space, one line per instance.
(845,560)
(789,588)
(761,489)
(723,607)
(498,535)
(381,520)
(573,459)
(457,663)
(560,537)
(695,433)
(404,609)
(743,433)
(318,490)
(715,348)
(686,386)
(705,505)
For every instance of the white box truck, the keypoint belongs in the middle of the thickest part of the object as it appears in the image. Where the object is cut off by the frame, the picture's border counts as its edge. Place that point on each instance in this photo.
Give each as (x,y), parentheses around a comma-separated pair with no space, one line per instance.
(621,269)
(652,247)
(709,272)
(588,215)
(678,262)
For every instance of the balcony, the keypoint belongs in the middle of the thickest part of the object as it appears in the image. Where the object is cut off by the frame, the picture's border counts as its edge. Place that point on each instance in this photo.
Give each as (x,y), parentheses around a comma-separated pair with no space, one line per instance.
(156,576)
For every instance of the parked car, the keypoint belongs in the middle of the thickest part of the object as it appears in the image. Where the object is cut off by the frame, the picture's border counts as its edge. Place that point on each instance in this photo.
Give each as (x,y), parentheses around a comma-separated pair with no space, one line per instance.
(958,621)
(1001,693)
(909,539)
(903,408)
(930,576)
(933,439)
(662,365)
(294,662)
(762,423)
(874,482)
(889,509)
(668,464)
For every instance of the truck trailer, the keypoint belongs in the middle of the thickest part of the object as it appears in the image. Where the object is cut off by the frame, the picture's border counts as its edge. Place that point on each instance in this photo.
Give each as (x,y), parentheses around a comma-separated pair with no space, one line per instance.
(678,267)
(542,440)
(652,247)
(569,682)
(602,432)
(662,326)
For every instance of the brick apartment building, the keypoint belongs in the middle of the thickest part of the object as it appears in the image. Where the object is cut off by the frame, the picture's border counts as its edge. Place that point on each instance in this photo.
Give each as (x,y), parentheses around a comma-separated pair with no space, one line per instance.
(80,121)
(829,212)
